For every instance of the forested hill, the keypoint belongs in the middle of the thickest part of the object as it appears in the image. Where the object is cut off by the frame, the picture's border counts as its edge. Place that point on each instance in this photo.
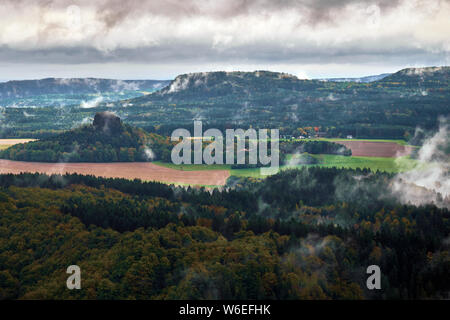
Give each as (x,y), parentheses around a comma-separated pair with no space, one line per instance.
(237,84)
(429,77)
(392,107)
(214,84)
(26,88)
(106,140)
(300,234)
(389,108)
(365,79)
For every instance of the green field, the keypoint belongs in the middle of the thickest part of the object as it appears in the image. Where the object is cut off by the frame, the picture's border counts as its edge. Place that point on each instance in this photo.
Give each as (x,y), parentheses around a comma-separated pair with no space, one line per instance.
(373,163)
(325,160)
(399,141)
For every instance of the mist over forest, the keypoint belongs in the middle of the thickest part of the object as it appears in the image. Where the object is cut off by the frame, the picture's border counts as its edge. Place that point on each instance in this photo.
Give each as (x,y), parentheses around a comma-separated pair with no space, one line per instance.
(250,152)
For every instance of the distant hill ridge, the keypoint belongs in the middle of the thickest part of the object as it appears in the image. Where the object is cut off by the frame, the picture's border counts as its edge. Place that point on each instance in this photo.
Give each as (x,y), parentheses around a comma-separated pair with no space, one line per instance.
(365,79)
(223,83)
(26,88)
(391,107)
(427,73)
(220,83)
(417,75)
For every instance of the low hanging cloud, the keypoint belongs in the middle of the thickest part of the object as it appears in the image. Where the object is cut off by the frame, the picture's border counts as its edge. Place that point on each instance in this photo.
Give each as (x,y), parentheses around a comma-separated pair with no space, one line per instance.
(28,115)
(429,182)
(91,103)
(84,121)
(149,154)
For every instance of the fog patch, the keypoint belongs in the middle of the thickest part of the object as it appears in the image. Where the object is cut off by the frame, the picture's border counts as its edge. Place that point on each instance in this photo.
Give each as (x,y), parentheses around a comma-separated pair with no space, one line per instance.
(120,86)
(149,154)
(331,97)
(429,181)
(84,121)
(178,84)
(28,115)
(91,103)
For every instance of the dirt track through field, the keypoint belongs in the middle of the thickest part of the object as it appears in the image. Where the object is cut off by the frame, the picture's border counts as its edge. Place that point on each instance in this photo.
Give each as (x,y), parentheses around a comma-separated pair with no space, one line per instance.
(129,170)
(376,149)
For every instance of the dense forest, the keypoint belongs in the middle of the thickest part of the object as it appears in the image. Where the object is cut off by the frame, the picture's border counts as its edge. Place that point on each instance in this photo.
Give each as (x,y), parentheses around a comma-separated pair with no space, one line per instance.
(110,140)
(300,234)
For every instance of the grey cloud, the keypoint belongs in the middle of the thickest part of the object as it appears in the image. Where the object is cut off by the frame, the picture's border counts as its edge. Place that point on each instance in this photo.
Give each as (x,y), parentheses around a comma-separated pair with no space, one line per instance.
(198,52)
(316,11)
(113,12)
(107,39)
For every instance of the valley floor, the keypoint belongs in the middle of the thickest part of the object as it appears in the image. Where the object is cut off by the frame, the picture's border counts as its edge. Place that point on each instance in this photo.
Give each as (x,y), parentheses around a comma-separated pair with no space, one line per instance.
(381,155)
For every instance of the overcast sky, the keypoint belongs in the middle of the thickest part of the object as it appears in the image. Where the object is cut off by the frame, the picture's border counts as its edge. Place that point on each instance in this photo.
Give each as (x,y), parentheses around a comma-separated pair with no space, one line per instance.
(155,39)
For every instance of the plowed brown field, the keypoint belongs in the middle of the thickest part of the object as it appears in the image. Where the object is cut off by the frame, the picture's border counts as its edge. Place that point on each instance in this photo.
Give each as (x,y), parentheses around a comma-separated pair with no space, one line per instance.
(129,170)
(376,149)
